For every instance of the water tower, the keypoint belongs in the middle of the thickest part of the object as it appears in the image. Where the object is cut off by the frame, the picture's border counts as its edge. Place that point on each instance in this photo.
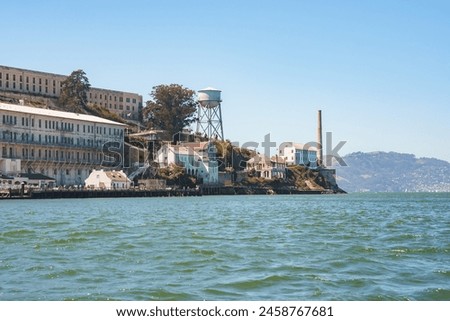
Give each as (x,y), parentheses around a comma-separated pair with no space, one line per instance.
(210,114)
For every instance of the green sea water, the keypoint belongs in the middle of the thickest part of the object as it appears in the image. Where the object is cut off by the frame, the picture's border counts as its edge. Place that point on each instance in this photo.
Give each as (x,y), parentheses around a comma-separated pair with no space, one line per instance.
(302,247)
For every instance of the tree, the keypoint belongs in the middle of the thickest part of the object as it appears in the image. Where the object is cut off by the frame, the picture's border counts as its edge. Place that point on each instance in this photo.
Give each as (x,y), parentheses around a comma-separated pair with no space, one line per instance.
(74,91)
(172,108)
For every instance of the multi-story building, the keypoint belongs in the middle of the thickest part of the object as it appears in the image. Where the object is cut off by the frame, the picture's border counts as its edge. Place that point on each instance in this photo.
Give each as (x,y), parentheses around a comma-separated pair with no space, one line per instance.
(299,154)
(198,159)
(265,167)
(65,146)
(36,83)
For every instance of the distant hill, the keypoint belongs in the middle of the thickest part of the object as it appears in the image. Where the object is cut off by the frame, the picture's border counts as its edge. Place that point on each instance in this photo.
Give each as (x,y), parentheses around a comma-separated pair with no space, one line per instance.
(393,172)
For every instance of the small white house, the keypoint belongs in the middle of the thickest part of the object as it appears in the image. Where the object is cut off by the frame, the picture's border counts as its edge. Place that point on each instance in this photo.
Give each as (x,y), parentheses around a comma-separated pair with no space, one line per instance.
(100,179)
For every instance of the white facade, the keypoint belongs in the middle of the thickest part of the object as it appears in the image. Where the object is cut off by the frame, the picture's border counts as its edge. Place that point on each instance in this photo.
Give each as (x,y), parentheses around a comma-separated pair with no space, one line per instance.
(31,82)
(198,159)
(64,146)
(268,168)
(299,154)
(100,179)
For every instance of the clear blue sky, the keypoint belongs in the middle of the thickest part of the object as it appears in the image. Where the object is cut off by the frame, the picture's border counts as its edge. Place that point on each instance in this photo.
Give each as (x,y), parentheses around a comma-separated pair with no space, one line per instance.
(379,70)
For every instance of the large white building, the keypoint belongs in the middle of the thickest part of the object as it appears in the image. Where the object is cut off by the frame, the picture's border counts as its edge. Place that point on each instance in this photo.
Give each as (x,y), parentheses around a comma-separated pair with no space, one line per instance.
(265,167)
(198,159)
(37,83)
(64,146)
(299,154)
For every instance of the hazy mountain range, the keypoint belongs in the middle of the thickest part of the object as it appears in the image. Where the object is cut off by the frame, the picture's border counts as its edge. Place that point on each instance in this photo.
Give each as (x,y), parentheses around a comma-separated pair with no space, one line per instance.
(393,172)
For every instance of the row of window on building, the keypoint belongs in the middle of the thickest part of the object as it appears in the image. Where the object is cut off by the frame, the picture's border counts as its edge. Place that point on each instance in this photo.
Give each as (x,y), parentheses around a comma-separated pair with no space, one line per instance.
(27,79)
(127,99)
(27,138)
(63,126)
(36,85)
(52,155)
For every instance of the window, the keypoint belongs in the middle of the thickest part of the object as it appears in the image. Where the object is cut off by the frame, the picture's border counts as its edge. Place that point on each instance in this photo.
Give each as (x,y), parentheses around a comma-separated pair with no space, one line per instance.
(128,100)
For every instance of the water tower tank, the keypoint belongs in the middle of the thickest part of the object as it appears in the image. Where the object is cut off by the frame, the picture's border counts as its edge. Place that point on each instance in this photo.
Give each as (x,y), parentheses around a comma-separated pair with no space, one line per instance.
(209,97)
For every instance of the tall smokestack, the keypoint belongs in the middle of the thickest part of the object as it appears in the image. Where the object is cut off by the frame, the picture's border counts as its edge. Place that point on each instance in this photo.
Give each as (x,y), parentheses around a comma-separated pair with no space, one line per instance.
(319,139)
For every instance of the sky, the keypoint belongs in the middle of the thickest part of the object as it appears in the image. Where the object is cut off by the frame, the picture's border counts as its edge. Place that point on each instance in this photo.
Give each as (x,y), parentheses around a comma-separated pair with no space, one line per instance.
(378,70)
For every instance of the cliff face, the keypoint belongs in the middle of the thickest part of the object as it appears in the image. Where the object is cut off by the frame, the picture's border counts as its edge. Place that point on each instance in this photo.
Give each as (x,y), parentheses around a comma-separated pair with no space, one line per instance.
(298,178)
(313,180)
(393,172)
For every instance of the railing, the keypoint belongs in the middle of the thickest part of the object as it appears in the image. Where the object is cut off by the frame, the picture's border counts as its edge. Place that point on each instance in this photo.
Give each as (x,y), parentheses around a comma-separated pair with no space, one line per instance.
(48,144)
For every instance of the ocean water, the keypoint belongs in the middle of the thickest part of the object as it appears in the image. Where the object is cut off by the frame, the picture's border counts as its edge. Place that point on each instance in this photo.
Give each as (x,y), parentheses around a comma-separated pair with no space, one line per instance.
(302,247)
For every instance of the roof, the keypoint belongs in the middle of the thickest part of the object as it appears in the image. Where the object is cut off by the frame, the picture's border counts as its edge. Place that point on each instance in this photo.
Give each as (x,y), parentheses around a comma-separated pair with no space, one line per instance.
(196,145)
(182,150)
(117,176)
(209,89)
(56,113)
(278,159)
(36,176)
(147,132)
(259,159)
(307,146)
